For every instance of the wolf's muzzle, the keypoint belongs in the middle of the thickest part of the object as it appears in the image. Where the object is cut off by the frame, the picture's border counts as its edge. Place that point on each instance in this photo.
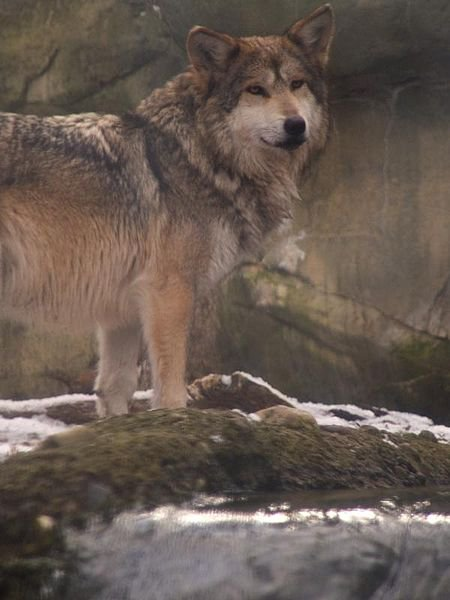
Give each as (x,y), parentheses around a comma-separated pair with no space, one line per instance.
(295,128)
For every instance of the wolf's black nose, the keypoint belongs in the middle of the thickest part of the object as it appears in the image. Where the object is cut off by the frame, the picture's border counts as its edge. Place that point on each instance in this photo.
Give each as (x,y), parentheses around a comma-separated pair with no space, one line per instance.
(295,126)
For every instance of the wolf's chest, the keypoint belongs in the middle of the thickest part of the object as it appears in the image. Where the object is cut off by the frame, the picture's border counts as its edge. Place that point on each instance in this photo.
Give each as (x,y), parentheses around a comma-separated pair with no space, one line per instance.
(224,255)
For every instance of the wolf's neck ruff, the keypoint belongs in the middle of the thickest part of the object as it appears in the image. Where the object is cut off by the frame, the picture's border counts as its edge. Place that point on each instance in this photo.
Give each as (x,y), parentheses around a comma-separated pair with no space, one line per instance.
(118,223)
(185,143)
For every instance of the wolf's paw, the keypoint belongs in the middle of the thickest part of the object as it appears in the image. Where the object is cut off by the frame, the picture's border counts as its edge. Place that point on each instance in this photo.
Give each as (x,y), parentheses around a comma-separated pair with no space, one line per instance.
(110,406)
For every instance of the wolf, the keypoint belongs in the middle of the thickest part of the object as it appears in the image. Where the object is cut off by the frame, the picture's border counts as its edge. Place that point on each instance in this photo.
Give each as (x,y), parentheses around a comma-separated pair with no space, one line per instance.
(118,223)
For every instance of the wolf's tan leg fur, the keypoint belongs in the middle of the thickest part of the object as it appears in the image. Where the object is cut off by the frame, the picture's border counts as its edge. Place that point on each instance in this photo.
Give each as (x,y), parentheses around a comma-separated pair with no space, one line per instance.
(117,376)
(166,325)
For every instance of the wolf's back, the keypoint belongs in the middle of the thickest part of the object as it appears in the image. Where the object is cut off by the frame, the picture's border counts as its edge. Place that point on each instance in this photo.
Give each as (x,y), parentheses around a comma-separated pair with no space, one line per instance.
(31,145)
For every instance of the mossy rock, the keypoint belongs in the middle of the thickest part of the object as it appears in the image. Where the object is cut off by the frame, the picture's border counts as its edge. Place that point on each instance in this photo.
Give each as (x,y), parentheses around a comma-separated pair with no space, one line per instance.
(168,456)
(424,387)
(421,356)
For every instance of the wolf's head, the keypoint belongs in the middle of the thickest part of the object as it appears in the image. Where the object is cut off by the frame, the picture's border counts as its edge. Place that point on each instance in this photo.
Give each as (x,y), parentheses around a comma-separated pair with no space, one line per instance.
(265,93)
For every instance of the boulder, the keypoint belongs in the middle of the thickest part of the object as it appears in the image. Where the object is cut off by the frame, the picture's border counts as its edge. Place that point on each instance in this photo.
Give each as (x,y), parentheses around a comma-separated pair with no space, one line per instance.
(287,416)
(237,391)
(144,460)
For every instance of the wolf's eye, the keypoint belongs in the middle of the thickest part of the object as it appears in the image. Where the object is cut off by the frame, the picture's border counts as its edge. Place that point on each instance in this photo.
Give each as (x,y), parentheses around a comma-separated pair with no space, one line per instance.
(297,84)
(256,90)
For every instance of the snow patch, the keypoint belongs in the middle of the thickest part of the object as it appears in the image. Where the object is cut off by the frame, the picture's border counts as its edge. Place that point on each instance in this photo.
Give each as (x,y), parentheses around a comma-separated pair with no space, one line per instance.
(226,380)
(391,421)
(20,434)
(143,395)
(40,405)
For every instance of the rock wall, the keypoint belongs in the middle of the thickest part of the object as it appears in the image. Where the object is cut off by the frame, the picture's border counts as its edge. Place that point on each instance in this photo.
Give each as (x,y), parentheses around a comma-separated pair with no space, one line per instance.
(59,56)
(355,305)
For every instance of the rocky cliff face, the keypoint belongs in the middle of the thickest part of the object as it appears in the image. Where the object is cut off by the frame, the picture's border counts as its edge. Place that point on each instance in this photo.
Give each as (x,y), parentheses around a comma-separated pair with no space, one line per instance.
(60,56)
(355,305)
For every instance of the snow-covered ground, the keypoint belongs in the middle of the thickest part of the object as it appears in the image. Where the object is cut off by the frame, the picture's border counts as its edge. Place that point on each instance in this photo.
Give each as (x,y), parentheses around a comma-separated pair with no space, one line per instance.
(349,415)
(23,433)
(19,433)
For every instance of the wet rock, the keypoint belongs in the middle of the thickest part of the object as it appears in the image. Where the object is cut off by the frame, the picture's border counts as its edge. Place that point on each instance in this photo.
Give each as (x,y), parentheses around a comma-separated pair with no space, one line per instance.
(161,456)
(339,557)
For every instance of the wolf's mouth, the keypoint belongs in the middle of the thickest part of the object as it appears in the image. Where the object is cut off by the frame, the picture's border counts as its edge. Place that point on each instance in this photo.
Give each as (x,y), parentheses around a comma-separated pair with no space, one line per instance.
(291,143)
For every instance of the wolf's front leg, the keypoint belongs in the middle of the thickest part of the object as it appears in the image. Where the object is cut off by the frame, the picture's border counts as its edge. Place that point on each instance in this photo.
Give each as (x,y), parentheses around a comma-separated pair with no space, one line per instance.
(117,376)
(166,324)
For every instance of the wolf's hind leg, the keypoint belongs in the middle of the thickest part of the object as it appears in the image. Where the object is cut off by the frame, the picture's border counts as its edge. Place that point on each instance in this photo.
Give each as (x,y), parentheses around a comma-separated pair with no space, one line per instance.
(117,374)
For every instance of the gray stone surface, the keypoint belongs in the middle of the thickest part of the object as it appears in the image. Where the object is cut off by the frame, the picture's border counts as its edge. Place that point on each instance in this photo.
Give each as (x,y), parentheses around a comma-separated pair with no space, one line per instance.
(63,56)
(37,364)
(372,35)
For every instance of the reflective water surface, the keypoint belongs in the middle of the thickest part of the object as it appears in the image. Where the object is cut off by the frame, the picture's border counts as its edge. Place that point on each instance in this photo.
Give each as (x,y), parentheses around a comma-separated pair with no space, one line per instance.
(383,545)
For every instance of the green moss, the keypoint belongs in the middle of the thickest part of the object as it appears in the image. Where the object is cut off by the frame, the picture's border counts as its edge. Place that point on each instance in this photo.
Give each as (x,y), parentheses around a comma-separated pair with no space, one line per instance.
(163,456)
(421,356)
(423,383)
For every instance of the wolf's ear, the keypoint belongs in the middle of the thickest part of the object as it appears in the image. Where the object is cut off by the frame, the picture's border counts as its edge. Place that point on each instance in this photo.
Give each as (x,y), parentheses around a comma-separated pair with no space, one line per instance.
(210,50)
(314,32)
